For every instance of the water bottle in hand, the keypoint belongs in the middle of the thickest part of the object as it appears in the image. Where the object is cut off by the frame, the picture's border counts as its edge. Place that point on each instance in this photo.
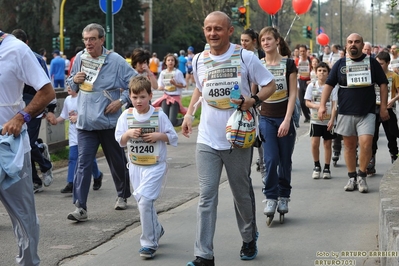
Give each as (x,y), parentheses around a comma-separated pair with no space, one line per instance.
(235,93)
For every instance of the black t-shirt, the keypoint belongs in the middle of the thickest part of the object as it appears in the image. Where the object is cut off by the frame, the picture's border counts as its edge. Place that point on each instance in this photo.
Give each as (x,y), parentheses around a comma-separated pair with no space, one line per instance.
(356,101)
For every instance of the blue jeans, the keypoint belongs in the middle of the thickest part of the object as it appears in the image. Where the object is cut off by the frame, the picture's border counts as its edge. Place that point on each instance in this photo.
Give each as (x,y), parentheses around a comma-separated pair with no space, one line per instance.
(277,157)
(35,154)
(73,158)
(88,143)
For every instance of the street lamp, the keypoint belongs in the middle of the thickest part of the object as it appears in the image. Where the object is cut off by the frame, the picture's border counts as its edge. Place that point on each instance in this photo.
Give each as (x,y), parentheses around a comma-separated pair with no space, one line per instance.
(372,22)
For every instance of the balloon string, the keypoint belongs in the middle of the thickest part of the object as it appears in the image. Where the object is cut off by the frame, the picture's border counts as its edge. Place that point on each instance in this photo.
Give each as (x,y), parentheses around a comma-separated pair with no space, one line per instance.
(288,32)
(273,17)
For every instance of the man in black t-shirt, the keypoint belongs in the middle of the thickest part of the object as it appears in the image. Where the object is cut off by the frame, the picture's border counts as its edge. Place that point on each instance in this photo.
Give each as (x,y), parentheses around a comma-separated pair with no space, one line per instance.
(356,75)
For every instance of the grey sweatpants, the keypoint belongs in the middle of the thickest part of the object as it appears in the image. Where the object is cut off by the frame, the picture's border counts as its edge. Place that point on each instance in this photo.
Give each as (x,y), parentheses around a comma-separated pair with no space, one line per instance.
(238,167)
(19,202)
(150,226)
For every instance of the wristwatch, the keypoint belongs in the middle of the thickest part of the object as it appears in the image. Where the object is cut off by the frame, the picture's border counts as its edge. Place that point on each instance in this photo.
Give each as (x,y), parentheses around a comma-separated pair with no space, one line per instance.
(121,101)
(26,116)
(257,100)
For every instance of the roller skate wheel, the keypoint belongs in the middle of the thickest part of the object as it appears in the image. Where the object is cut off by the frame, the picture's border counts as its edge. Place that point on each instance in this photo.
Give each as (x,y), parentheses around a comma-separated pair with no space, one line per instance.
(281,218)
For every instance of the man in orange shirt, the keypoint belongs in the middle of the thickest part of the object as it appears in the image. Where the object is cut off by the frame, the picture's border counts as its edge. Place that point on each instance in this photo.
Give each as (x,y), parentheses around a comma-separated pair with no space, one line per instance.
(154,64)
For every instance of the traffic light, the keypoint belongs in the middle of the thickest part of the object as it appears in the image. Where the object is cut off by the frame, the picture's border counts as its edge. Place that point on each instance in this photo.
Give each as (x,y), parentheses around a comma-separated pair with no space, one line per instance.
(304,31)
(243,15)
(67,43)
(234,15)
(56,43)
(309,32)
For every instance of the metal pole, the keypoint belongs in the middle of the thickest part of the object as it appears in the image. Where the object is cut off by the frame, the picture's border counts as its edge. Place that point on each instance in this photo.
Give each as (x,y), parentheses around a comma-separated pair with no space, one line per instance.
(318,24)
(108,28)
(372,22)
(62,26)
(113,33)
(248,23)
(340,22)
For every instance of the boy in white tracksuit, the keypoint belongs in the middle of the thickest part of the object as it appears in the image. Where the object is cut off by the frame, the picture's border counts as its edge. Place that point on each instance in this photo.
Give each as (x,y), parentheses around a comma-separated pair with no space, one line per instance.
(145,130)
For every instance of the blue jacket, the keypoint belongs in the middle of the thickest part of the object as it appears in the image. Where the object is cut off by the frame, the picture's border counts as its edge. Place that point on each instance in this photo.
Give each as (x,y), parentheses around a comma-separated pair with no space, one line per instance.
(114,75)
(57,68)
(11,158)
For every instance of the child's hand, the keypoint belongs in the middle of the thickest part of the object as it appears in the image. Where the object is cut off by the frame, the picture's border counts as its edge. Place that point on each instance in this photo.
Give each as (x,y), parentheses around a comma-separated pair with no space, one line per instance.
(134,133)
(330,124)
(73,118)
(151,137)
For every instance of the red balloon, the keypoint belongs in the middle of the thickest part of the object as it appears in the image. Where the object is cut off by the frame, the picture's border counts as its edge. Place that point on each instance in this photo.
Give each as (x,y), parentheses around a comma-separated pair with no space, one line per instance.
(323,39)
(271,6)
(301,6)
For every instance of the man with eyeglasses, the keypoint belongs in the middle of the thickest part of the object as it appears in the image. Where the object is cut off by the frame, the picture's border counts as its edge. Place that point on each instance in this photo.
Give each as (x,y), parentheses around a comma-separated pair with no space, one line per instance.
(99,74)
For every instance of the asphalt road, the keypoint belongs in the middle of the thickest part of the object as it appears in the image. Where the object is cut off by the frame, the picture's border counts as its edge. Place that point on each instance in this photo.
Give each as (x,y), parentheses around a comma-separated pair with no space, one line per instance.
(322,217)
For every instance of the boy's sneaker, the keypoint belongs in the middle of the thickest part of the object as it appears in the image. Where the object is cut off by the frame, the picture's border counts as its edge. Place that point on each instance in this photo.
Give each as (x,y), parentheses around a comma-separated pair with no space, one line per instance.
(79,215)
(147,253)
(370,171)
(121,204)
(351,184)
(68,188)
(37,188)
(249,250)
(316,172)
(202,262)
(362,184)
(97,182)
(326,174)
(47,178)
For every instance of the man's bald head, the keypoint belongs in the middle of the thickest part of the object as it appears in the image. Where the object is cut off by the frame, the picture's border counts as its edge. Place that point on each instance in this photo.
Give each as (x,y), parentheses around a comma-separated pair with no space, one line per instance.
(354,45)
(222,16)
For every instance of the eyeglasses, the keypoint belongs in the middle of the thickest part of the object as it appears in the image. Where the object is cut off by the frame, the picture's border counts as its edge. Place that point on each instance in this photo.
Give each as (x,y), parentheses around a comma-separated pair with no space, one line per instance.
(90,39)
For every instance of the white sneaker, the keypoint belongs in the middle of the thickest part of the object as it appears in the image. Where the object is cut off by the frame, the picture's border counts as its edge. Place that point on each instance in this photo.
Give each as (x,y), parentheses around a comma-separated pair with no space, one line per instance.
(121,204)
(326,174)
(362,184)
(351,184)
(316,172)
(79,214)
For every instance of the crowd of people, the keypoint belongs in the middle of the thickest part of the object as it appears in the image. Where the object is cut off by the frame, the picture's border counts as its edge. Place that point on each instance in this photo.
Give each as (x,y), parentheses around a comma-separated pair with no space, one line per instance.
(345,94)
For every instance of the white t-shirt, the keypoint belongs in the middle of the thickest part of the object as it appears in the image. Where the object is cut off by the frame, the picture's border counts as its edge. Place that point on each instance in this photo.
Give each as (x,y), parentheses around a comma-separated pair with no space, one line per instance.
(319,89)
(147,180)
(70,105)
(212,127)
(19,66)
(177,76)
